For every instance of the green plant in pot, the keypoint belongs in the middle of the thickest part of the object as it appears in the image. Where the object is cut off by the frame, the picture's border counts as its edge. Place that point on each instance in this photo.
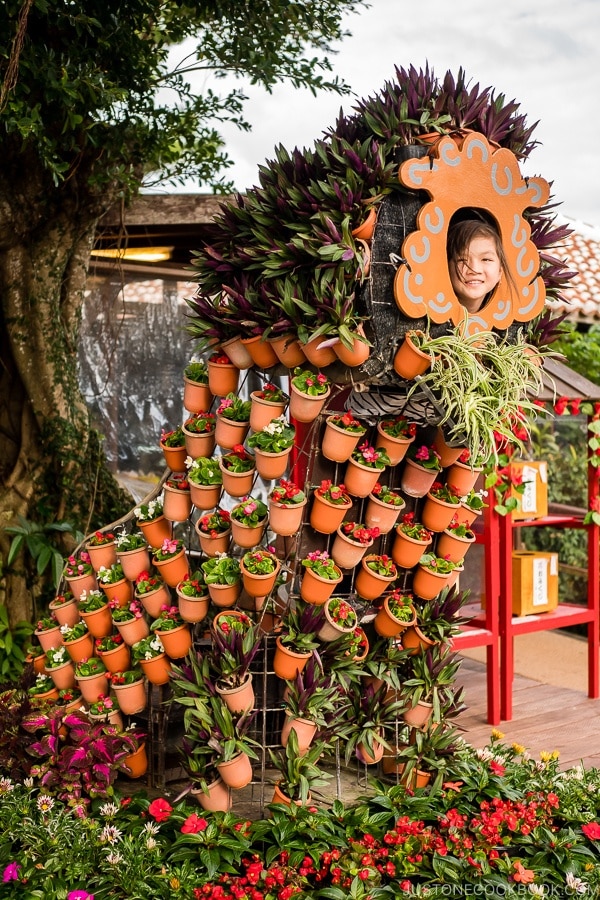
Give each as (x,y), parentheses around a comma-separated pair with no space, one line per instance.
(222,569)
(72,632)
(233,652)
(275,437)
(92,600)
(196,371)
(386,663)
(431,750)
(229,734)
(432,679)
(234,408)
(251,511)
(214,523)
(110,575)
(204,470)
(135,540)
(313,695)
(299,627)
(439,619)
(299,773)
(482,385)
(372,720)
(238,460)
(168,620)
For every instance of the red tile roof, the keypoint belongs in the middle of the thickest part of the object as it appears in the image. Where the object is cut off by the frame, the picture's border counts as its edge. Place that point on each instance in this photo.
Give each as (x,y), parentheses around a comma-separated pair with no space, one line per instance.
(581,250)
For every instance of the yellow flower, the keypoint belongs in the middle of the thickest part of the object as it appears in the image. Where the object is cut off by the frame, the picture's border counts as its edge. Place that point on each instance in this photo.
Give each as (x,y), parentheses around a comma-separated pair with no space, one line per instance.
(518,749)
(174,883)
(497,735)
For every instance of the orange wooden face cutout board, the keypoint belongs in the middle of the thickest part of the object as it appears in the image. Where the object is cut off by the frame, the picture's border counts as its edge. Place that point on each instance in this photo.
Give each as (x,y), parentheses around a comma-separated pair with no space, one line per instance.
(471,174)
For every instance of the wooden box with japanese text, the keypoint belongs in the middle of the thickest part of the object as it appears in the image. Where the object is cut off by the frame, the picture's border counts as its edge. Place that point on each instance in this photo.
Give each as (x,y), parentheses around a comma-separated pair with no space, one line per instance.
(534,582)
(533,502)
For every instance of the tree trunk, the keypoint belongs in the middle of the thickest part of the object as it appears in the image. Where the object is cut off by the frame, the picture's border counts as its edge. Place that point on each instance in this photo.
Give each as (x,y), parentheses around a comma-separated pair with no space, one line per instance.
(51,465)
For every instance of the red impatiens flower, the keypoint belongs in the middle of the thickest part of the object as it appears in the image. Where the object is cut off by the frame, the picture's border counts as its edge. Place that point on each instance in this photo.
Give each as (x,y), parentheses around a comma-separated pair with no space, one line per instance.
(496,768)
(160,809)
(591,831)
(523,875)
(194,824)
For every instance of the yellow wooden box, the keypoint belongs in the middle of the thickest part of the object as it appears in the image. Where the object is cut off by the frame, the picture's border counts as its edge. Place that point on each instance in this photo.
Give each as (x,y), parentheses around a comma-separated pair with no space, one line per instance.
(533,502)
(534,582)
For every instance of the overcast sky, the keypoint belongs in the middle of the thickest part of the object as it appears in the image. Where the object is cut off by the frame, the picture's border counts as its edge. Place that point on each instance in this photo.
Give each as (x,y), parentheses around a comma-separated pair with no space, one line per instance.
(542,53)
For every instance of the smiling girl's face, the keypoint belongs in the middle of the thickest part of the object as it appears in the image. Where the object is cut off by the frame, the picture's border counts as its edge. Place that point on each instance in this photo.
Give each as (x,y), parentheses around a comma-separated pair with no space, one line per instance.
(475,273)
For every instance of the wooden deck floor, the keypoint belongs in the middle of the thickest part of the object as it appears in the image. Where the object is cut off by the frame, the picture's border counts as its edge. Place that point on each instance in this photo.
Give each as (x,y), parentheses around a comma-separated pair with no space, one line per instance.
(545,717)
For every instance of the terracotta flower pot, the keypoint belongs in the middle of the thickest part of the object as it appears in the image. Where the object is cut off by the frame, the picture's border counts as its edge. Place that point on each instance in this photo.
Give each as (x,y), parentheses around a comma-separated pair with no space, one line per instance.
(448,455)
(134,630)
(288,350)
(205,496)
(136,764)
(304,728)
(416,480)
(174,457)
(248,536)
(437,514)
(193,609)
(338,443)
(65,613)
(92,686)
(63,676)
(271,465)
(418,715)
(102,555)
(99,621)
(118,659)
(197,445)
(80,583)
(217,798)
(462,478)
(414,640)
(131,697)
(154,600)
(332,630)
(237,484)
(359,480)
(406,551)
(50,638)
(287,663)
(368,584)
(358,353)
(452,547)
(238,699)
(364,231)
(326,517)
(122,591)
(305,408)
(319,356)
(134,562)
(157,670)
(174,569)
(224,595)
(176,641)
(315,589)
(364,755)
(238,353)
(81,648)
(196,397)
(386,624)
(279,796)
(113,717)
(285,519)
(381,515)
(157,531)
(467,515)
(223,378)
(347,553)
(212,546)
(427,584)
(262,353)
(396,447)
(237,772)
(409,360)
(229,433)
(262,412)
(177,504)
(259,585)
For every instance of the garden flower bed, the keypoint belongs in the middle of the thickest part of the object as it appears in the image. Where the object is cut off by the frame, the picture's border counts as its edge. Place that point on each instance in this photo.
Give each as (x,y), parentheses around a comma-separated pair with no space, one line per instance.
(502,823)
